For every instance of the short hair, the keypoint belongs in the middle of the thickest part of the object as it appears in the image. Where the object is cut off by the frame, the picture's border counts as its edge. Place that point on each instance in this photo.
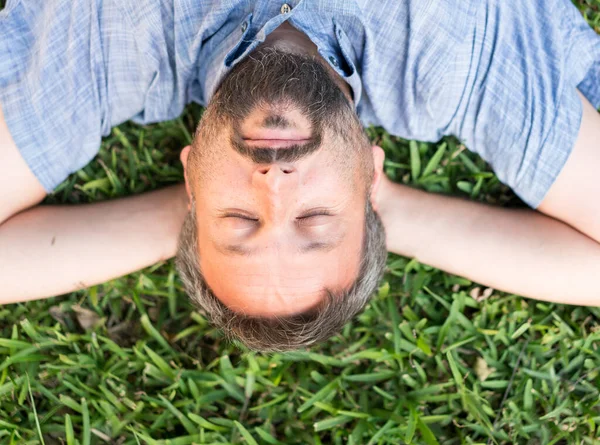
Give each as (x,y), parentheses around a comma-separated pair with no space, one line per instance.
(284,333)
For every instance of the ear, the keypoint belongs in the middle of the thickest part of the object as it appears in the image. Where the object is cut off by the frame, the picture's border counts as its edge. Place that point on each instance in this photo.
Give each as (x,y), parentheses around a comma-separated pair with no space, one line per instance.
(183,156)
(378,158)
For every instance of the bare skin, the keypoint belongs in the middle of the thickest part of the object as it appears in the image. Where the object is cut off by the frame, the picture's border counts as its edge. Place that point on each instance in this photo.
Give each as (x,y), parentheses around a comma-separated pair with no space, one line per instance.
(551,255)
(261,261)
(71,247)
(258,260)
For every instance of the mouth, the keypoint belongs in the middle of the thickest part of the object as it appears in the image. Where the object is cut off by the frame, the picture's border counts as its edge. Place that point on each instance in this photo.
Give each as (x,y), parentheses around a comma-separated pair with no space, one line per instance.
(281,134)
(274,143)
(275,137)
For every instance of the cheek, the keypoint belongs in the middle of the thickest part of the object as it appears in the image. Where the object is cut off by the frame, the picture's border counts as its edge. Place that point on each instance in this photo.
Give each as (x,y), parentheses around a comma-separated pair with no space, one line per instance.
(343,264)
(223,178)
(328,180)
(348,172)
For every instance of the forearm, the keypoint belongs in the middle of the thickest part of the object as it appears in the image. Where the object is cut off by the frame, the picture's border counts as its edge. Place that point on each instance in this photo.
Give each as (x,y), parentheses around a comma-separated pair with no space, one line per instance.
(51,250)
(518,251)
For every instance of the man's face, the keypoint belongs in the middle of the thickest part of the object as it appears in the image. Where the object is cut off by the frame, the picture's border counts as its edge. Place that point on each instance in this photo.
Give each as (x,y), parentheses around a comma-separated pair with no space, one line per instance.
(279,178)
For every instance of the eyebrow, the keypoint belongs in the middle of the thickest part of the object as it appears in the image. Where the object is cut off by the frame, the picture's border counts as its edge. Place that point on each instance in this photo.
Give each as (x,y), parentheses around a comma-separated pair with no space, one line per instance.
(241,250)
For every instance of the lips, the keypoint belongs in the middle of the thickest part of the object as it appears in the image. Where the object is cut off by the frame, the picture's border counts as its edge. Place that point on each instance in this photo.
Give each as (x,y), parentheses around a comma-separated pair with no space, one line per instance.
(293,135)
(275,137)
(274,143)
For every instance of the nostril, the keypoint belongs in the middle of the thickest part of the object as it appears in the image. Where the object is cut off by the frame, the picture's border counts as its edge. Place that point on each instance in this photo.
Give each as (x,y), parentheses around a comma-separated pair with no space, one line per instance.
(285,170)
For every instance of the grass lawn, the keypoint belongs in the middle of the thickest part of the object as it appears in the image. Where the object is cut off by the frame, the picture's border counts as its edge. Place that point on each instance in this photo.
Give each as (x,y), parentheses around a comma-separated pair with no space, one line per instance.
(131,362)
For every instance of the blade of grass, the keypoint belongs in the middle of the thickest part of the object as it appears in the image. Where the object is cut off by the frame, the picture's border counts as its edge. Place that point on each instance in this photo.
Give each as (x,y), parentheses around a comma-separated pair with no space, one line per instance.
(245,434)
(85,414)
(37,420)
(415,160)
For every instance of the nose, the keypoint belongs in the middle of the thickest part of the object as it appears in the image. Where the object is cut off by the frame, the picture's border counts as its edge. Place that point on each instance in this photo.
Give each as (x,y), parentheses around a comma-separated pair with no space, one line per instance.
(285,169)
(276,183)
(275,178)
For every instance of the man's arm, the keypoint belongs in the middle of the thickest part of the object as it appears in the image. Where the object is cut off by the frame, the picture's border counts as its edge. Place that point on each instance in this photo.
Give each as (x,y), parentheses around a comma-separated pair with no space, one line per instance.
(50,250)
(518,251)
(575,195)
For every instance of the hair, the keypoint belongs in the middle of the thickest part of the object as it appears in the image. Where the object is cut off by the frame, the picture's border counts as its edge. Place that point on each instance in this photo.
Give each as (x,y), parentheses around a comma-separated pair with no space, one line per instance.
(277,334)
(269,76)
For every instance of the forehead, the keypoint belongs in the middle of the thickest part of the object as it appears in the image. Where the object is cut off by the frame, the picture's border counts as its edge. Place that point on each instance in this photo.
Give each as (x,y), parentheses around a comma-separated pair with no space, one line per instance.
(277,282)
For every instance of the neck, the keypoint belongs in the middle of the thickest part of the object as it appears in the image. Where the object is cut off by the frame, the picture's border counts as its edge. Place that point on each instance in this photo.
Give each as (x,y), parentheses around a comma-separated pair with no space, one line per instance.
(287,38)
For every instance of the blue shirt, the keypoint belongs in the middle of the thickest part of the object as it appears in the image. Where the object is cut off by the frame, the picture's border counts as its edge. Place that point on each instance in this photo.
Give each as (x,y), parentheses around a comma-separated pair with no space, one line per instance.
(500,75)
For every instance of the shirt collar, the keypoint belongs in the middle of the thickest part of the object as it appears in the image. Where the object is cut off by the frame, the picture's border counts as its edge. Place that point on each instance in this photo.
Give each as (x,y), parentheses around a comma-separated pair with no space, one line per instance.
(320,26)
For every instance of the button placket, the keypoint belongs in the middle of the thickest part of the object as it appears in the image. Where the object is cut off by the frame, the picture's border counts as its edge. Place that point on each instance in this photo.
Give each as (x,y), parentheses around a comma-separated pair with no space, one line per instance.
(349,56)
(239,41)
(246,23)
(347,52)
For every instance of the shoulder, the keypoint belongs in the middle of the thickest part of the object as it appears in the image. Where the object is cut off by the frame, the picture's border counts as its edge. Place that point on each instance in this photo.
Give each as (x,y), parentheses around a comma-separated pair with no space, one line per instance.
(415,63)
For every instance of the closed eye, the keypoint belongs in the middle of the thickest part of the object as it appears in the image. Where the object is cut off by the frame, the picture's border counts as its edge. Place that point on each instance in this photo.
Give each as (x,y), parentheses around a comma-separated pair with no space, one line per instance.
(314,219)
(239,221)
(239,216)
(313,214)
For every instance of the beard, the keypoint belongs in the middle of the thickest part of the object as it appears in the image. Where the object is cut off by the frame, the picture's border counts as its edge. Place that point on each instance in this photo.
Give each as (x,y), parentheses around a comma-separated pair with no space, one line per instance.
(275,81)
(275,78)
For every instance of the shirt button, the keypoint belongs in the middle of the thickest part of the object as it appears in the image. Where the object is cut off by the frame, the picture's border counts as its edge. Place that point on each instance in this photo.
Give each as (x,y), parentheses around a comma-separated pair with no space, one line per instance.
(285,8)
(334,61)
(244,26)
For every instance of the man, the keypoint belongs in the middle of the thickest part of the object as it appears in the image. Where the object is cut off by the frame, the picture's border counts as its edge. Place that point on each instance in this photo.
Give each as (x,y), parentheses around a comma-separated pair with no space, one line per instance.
(282,241)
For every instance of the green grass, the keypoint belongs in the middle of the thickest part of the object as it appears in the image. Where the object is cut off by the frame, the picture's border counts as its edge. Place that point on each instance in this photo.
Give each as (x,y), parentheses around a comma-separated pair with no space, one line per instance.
(425,363)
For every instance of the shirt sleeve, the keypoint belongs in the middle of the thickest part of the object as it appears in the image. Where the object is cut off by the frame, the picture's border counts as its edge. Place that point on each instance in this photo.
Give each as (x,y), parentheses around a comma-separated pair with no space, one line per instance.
(521,111)
(69,71)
